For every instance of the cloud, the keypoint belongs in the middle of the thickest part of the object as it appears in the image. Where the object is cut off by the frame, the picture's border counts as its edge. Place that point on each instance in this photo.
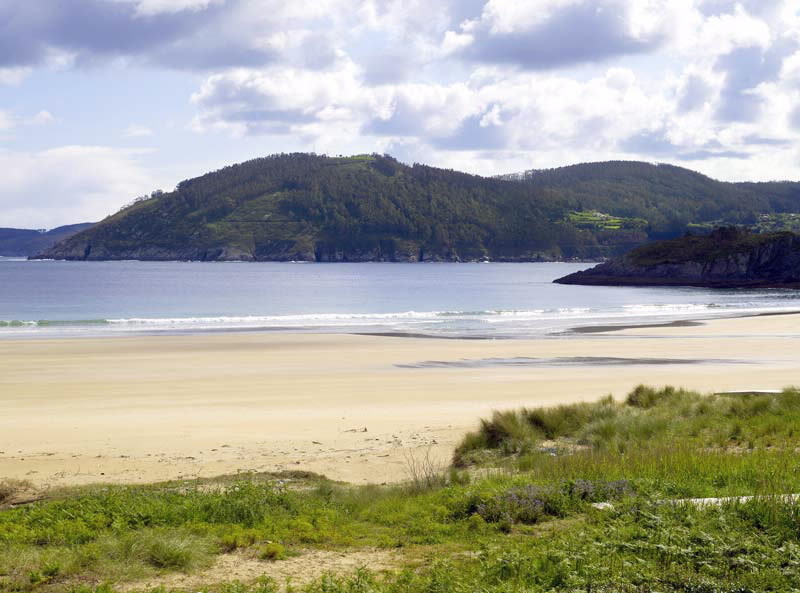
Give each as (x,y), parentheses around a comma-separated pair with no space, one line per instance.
(13,76)
(757,7)
(556,33)
(68,184)
(747,68)
(483,81)
(481,85)
(758,140)
(42,118)
(10,120)
(151,7)
(279,100)
(650,142)
(794,118)
(743,72)
(696,90)
(6,121)
(180,34)
(137,131)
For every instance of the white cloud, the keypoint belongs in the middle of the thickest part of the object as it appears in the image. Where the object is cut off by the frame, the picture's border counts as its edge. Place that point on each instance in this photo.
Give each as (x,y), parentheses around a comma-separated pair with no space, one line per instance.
(280,100)
(720,34)
(137,131)
(10,120)
(152,7)
(42,118)
(68,184)
(13,76)
(790,69)
(6,121)
(482,85)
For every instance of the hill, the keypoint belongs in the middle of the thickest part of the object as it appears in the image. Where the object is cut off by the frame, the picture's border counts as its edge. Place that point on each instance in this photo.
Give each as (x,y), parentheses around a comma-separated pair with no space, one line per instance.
(25,242)
(373,208)
(727,258)
(670,198)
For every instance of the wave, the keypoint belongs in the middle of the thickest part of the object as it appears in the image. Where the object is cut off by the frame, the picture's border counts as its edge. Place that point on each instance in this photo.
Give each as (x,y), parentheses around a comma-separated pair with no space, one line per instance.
(53,322)
(531,321)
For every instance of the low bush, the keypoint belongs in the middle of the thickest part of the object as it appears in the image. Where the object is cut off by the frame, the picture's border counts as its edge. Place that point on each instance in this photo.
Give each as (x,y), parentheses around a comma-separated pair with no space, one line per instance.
(272,551)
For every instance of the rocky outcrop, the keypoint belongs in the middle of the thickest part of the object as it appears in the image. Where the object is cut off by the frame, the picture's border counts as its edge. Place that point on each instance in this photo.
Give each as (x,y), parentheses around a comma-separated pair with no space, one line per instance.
(285,251)
(727,258)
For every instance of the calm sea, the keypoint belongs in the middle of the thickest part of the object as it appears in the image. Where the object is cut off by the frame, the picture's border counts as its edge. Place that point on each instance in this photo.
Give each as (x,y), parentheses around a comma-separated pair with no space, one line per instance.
(49,298)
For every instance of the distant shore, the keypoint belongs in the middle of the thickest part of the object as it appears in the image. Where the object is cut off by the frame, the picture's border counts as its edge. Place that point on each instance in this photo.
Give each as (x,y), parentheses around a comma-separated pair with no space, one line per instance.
(146,408)
(442,260)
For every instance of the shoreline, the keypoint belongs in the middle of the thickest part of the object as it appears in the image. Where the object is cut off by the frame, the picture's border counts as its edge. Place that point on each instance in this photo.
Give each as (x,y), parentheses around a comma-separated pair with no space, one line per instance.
(570,332)
(601,329)
(30,258)
(132,409)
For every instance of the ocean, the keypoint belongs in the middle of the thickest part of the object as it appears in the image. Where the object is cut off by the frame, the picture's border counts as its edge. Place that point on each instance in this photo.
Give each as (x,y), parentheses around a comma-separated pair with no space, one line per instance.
(480,300)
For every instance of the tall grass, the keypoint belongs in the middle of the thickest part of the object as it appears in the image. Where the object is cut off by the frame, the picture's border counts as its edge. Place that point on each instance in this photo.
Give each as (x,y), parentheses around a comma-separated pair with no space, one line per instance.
(648,417)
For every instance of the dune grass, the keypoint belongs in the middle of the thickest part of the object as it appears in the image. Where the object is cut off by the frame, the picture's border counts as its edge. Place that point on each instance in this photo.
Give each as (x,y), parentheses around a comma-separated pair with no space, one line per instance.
(525,521)
(648,417)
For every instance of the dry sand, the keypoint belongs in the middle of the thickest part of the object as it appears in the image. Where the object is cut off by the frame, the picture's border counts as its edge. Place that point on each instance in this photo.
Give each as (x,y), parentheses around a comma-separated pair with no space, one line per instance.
(148,408)
(296,570)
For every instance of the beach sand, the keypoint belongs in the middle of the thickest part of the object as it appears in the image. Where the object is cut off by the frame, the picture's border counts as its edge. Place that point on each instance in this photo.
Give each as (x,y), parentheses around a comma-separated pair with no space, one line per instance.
(355,408)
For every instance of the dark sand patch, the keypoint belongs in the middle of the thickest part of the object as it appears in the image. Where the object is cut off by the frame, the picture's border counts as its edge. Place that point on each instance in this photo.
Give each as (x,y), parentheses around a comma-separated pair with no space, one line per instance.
(524,361)
(600,329)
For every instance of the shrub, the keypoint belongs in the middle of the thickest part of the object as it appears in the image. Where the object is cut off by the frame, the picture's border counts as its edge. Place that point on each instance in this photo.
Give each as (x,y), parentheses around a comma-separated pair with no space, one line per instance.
(648,397)
(240,538)
(272,552)
(161,548)
(526,504)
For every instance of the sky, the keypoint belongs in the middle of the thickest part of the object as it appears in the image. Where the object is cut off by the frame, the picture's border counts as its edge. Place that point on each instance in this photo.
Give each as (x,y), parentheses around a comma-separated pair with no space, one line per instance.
(102,101)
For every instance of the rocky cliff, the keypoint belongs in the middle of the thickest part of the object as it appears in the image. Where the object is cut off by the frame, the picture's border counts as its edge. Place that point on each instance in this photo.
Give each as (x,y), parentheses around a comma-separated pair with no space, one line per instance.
(727,258)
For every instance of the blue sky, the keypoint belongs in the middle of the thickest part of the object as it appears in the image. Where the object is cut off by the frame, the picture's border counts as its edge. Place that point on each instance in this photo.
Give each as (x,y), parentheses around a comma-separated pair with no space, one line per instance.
(105,100)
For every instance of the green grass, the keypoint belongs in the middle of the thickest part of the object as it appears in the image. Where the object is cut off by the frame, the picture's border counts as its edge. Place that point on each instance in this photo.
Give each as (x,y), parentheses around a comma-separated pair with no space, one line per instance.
(594,220)
(647,418)
(517,516)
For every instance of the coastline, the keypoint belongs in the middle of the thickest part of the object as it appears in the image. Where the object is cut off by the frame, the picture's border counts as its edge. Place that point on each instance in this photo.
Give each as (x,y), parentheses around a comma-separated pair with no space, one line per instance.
(147,408)
(83,330)
(610,328)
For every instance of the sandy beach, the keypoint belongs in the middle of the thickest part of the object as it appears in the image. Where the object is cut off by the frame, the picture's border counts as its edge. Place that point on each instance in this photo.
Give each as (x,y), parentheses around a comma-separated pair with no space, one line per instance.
(355,408)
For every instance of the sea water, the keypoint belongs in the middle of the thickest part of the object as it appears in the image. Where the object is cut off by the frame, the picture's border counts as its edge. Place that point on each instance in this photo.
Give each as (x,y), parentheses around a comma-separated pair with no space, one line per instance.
(480,300)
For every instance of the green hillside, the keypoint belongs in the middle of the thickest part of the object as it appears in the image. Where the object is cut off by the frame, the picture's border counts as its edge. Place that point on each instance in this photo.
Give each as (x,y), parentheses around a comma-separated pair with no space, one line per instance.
(374,208)
(670,198)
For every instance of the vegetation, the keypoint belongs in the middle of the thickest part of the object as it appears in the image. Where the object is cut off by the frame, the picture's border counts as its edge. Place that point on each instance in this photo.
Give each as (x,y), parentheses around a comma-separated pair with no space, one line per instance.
(372,207)
(703,248)
(765,223)
(670,198)
(519,511)
(595,220)
(785,221)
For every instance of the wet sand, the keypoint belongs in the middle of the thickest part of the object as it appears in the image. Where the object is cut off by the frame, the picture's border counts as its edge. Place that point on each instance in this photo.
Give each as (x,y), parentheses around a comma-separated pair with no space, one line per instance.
(148,408)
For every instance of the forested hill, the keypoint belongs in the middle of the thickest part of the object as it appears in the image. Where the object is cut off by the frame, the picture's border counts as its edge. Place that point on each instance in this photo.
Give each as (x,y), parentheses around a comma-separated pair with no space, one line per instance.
(25,242)
(670,198)
(374,208)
